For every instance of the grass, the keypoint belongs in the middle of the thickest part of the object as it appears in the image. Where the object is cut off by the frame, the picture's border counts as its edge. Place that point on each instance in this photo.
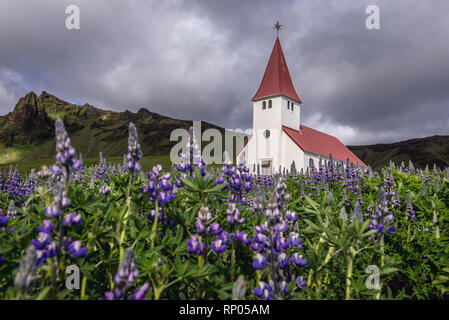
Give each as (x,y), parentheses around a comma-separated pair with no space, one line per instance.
(147,163)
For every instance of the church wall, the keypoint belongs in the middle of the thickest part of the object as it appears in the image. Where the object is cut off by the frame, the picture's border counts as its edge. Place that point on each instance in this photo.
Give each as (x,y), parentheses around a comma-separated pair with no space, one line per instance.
(290,152)
(268,118)
(290,118)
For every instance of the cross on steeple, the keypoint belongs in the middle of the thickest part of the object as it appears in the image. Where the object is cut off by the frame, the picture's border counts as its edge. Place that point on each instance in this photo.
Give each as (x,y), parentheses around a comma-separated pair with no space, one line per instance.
(277,26)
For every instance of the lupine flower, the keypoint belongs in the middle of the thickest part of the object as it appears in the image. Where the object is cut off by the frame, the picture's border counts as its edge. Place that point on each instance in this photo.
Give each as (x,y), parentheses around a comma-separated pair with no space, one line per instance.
(195,246)
(76,250)
(298,259)
(3,220)
(300,281)
(263,291)
(104,189)
(283,260)
(47,227)
(134,153)
(25,277)
(259,262)
(242,237)
(125,278)
(140,293)
(66,161)
(294,239)
(218,246)
(128,271)
(73,219)
(41,241)
(215,229)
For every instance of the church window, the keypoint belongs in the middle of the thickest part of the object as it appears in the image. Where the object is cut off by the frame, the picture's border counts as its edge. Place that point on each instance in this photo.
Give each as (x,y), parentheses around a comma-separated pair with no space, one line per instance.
(288,105)
(266,134)
(270,104)
(292,105)
(264,105)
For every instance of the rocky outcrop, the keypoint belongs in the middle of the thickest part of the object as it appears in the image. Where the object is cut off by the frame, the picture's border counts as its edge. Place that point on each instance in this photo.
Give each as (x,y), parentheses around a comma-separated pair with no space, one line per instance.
(28,122)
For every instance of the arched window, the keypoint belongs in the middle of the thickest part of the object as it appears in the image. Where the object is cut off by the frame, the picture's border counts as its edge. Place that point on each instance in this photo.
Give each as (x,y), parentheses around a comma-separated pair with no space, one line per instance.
(288,105)
(270,104)
(292,105)
(264,105)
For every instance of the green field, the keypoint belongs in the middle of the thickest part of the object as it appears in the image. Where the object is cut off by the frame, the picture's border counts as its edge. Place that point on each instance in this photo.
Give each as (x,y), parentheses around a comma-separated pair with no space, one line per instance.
(147,163)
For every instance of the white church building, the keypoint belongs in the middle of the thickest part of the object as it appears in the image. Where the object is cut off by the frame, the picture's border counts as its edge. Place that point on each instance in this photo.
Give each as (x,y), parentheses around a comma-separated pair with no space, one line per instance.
(278,138)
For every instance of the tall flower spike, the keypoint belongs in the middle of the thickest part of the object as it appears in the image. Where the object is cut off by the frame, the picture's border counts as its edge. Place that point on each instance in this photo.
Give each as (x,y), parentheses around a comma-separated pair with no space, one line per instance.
(134,153)
(25,277)
(66,161)
(239,288)
(357,213)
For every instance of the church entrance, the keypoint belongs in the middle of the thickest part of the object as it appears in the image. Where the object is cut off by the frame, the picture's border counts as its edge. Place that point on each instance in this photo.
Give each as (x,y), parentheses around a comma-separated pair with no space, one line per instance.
(267,167)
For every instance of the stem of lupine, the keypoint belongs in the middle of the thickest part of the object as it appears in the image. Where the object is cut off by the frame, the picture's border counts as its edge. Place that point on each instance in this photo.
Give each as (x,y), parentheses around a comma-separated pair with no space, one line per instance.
(122,234)
(156,215)
(233,260)
(83,288)
(382,261)
(349,262)
(125,217)
(310,278)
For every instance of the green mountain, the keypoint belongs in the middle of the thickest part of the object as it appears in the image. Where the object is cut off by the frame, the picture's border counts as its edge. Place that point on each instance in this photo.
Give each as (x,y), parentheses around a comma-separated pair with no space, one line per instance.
(422,151)
(27,133)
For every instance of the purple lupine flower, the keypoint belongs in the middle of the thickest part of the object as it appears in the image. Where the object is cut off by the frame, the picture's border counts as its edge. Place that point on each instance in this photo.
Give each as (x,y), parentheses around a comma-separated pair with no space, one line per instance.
(3,221)
(47,227)
(298,259)
(242,237)
(52,250)
(200,228)
(73,219)
(294,239)
(195,246)
(300,281)
(25,277)
(140,293)
(283,287)
(76,250)
(66,161)
(263,291)
(215,229)
(283,260)
(52,211)
(259,262)
(134,153)
(41,241)
(2,261)
(218,246)
(128,271)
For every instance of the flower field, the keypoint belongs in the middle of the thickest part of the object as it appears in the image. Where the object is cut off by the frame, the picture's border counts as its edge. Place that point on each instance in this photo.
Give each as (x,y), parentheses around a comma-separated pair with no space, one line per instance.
(199,232)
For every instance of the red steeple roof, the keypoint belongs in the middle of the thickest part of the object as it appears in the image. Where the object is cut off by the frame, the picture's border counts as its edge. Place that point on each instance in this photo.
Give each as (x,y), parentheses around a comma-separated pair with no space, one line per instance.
(276,79)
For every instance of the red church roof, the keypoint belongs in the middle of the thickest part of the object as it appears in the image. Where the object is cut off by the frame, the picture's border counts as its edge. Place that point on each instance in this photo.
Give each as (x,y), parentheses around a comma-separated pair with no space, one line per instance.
(312,140)
(276,79)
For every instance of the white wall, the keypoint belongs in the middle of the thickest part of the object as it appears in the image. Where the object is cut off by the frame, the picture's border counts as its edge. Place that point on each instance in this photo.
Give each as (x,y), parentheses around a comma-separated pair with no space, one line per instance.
(291,152)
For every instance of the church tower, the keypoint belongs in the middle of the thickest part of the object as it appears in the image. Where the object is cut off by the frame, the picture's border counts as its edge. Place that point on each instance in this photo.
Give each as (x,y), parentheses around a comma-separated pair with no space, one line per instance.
(275,105)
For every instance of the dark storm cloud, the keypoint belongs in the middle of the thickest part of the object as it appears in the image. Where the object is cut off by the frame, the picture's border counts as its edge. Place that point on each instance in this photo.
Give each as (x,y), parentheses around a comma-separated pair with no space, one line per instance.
(205,59)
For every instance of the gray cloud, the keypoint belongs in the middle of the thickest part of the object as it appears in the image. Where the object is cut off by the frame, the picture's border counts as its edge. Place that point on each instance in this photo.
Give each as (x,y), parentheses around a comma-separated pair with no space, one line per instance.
(205,59)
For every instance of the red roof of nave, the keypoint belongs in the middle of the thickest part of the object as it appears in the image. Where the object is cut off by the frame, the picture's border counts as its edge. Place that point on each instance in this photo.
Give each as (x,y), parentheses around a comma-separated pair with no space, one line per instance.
(321,143)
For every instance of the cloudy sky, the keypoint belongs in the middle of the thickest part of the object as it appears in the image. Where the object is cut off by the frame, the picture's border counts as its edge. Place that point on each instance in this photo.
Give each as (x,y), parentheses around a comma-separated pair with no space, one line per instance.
(205,59)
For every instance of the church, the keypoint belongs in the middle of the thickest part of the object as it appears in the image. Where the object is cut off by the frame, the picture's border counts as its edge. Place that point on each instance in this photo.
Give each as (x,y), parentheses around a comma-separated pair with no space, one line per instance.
(278,138)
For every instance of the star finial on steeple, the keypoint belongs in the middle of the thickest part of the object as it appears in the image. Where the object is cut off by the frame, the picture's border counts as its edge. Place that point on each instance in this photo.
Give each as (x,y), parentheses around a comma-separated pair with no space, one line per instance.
(277,26)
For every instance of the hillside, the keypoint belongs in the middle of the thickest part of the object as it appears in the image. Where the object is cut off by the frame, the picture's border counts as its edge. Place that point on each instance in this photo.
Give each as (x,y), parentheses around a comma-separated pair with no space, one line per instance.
(422,151)
(27,133)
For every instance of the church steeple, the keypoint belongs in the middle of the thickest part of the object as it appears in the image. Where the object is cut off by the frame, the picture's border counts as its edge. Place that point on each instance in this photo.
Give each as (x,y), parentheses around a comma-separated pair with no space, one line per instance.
(276,79)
